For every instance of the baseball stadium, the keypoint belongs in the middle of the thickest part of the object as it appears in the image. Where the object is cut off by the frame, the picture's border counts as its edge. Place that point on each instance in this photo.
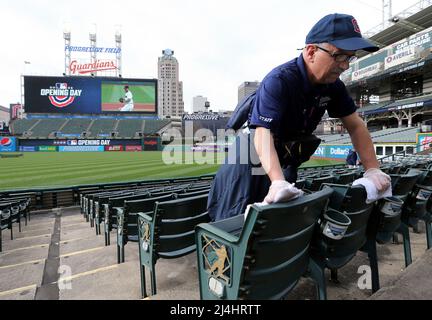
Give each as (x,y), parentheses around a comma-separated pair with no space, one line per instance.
(97,203)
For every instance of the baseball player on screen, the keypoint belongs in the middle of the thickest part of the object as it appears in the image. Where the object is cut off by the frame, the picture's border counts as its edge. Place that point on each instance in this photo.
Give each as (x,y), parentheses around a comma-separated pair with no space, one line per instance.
(127,100)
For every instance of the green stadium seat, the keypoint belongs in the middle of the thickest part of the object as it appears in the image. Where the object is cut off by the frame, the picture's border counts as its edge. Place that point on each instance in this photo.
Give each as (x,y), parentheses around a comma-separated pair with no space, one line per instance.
(335,253)
(264,260)
(168,232)
(127,229)
(314,183)
(385,220)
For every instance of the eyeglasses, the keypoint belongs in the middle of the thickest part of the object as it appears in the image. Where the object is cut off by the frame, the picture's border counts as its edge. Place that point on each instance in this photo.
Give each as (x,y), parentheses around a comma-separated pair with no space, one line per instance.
(339,57)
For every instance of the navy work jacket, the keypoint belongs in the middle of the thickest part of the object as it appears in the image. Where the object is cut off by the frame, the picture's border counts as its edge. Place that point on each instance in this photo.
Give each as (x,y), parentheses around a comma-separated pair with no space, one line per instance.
(288,105)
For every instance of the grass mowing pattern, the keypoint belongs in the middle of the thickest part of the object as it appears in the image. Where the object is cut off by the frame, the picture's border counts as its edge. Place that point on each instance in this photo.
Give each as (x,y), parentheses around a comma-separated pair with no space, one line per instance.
(63,169)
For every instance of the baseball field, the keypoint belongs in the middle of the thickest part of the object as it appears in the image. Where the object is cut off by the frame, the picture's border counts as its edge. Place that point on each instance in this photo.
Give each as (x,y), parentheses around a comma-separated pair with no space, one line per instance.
(58,169)
(143,96)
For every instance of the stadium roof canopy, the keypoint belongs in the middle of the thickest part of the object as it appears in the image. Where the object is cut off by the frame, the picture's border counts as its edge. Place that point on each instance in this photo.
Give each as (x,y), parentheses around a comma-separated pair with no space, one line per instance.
(408,22)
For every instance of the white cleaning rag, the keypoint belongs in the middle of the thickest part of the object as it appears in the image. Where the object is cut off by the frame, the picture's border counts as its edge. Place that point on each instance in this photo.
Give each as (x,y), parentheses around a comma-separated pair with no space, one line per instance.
(372,192)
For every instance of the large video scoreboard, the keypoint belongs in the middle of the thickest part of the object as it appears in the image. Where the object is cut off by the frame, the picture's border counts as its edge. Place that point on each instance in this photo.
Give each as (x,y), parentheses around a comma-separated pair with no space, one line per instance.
(89,95)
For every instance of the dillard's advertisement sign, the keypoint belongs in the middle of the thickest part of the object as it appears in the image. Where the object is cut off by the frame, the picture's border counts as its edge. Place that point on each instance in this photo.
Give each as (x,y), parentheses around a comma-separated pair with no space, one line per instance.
(77,68)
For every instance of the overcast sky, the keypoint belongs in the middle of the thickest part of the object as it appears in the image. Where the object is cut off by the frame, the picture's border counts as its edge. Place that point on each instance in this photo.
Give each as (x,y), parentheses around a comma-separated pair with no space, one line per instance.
(219,44)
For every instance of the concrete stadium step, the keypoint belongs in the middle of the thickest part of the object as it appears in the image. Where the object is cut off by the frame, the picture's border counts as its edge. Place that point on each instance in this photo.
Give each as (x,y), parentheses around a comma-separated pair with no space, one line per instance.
(176,279)
(95,274)
(82,243)
(25,242)
(25,256)
(414,283)
(114,282)
(27,232)
(21,276)
(84,232)
(391,263)
(24,293)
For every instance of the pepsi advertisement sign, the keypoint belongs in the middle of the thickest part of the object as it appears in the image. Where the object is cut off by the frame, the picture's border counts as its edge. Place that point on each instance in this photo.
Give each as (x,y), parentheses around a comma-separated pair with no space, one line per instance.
(7,144)
(89,95)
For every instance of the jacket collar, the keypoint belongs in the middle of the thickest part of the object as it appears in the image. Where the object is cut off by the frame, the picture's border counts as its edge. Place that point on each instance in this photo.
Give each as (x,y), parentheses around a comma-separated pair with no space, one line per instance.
(307,86)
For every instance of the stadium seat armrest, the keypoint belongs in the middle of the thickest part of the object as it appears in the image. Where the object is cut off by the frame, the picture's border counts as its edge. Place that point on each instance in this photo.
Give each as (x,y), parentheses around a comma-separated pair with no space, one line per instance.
(119,210)
(215,233)
(145,216)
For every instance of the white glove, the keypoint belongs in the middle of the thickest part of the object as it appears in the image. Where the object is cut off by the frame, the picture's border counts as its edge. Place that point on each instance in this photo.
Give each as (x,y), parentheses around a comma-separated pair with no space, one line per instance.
(381,180)
(282,191)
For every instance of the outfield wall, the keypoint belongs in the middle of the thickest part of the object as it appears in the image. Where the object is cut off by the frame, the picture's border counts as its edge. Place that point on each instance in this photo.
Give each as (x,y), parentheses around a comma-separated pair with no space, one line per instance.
(86,145)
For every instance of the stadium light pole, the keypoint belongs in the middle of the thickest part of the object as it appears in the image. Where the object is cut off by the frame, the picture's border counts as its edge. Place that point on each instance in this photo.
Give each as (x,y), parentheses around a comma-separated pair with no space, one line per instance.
(118,41)
(93,39)
(386,12)
(67,38)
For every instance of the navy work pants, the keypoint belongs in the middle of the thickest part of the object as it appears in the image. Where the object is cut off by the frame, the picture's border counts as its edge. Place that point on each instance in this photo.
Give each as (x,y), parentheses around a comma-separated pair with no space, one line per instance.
(240,180)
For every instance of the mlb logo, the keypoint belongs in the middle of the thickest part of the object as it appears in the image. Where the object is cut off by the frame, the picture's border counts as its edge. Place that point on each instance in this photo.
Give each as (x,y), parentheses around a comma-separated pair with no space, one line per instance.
(72,143)
(61,86)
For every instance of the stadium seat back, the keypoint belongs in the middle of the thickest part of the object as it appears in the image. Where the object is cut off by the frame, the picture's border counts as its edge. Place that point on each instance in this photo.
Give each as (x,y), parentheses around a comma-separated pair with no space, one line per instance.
(270,254)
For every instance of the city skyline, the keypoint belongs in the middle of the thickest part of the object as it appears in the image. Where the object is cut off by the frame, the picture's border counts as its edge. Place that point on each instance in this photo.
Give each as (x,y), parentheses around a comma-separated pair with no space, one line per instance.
(219,45)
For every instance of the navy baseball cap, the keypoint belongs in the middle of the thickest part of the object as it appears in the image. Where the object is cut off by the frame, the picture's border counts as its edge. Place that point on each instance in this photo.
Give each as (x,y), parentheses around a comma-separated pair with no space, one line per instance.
(340,30)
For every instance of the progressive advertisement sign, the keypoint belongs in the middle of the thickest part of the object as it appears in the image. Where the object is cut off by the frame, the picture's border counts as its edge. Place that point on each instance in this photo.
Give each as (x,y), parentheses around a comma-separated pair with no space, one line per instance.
(89,95)
(81,149)
(8,144)
(367,72)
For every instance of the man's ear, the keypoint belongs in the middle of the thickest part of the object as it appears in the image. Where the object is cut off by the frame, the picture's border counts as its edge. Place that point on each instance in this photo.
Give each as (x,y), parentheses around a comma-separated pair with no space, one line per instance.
(309,52)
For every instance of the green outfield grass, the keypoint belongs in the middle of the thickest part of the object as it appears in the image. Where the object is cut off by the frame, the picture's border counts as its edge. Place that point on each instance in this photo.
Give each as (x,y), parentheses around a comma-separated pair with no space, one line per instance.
(45,169)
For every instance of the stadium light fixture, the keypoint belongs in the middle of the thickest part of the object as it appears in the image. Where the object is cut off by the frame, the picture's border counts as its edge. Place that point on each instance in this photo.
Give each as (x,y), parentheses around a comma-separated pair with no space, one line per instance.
(118,33)
(93,31)
(67,31)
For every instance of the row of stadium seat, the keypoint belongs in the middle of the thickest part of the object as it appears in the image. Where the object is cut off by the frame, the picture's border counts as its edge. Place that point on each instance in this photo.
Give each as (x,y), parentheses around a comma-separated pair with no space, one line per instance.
(124,128)
(263,255)
(387,135)
(12,210)
(267,253)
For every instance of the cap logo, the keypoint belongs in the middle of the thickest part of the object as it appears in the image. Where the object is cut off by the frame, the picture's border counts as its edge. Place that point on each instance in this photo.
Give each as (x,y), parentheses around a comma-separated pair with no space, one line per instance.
(356,26)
